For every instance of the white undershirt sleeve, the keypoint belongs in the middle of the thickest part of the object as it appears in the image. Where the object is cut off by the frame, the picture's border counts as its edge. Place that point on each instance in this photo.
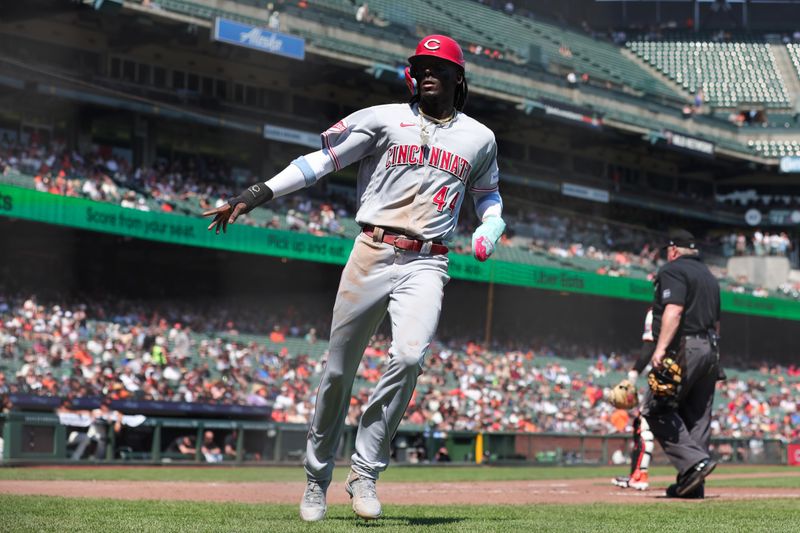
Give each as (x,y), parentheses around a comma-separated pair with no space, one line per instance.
(488,205)
(303,172)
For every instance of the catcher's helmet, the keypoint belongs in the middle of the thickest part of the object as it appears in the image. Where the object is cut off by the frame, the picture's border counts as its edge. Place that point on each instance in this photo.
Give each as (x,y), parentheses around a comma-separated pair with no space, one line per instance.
(440,46)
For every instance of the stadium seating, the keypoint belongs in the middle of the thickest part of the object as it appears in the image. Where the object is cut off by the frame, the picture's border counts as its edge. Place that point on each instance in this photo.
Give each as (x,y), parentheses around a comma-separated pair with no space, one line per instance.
(187,7)
(275,216)
(352,49)
(730,74)
(344,8)
(536,42)
(775,148)
(775,121)
(545,378)
(597,58)
(545,247)
(17,179)
(532,50)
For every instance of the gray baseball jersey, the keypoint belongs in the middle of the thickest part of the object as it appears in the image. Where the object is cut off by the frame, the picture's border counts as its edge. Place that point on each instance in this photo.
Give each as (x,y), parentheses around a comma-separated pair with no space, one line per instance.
(412,178)
(413,172)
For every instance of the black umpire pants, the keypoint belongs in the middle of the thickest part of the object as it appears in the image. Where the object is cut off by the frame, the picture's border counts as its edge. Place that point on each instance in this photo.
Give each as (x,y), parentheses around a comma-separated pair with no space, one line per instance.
(683,427)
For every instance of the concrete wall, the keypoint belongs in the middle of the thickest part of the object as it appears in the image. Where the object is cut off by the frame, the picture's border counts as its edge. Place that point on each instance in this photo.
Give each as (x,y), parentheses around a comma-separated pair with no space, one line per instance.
(768,272)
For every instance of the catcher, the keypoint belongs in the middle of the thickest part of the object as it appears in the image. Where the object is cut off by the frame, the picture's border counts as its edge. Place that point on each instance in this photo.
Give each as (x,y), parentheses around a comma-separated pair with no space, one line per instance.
(624,396)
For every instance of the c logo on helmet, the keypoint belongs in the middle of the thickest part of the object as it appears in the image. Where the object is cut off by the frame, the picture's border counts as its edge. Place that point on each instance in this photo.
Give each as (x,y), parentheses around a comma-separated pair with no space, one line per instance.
(432,44)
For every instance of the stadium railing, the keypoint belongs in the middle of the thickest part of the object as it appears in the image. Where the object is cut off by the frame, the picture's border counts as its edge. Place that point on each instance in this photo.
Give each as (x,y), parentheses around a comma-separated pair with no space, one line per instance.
(35,437)
(40,437)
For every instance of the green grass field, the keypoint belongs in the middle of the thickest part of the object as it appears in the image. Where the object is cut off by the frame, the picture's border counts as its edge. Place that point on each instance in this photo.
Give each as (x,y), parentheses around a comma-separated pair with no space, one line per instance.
(26,513)
(394,474)
(47,513)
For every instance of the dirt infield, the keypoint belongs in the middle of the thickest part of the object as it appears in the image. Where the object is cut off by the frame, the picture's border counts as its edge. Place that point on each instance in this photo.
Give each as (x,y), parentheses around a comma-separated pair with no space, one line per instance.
(394,493)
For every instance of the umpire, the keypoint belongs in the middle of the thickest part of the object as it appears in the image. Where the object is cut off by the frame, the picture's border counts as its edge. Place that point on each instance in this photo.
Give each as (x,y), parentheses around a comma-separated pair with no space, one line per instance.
(686,313)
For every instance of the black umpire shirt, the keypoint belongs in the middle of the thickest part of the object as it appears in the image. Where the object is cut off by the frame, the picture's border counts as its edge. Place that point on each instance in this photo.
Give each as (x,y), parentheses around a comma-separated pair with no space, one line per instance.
(687,281)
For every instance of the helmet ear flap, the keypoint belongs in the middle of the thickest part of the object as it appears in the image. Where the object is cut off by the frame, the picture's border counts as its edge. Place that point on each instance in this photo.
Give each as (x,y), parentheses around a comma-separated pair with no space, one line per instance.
(411,83)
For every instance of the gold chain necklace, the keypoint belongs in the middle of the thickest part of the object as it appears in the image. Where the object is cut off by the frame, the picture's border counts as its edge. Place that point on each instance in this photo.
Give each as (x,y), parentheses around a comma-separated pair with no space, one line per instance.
(424,134)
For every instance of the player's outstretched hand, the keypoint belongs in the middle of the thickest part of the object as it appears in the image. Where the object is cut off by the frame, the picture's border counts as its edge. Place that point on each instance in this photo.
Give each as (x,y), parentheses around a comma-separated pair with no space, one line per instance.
(224,215)
(485,237)
(482,248)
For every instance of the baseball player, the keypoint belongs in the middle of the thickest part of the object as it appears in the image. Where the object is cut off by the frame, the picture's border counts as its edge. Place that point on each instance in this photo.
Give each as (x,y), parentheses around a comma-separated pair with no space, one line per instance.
(417,162)
(642,436)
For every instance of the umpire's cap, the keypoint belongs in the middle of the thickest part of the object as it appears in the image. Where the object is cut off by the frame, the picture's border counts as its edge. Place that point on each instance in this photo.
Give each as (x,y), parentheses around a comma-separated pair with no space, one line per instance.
(681,238)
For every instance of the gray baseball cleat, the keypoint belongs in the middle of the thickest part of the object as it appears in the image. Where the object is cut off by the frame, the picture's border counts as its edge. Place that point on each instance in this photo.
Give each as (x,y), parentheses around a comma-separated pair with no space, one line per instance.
(622,482)
(365,498)
(313,505)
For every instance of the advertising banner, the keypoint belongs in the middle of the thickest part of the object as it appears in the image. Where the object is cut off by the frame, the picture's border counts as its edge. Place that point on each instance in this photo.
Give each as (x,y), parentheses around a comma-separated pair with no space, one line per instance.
(236,33)
(16,202)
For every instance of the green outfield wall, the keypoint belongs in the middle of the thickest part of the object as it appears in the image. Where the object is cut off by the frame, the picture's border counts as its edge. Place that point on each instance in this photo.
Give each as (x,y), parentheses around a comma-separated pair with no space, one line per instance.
(39,437)
(21,203)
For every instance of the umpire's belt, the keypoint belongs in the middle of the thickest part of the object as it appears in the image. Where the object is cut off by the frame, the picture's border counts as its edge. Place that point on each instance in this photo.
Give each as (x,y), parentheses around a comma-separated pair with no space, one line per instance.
(402,242)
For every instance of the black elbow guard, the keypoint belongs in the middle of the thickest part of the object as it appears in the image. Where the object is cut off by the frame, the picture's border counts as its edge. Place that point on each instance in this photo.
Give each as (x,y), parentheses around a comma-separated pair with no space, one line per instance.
(646,353)
(254,196)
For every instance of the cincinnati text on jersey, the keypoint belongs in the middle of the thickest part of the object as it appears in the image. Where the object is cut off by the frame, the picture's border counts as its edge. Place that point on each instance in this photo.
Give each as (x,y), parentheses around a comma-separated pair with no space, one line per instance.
(412,154)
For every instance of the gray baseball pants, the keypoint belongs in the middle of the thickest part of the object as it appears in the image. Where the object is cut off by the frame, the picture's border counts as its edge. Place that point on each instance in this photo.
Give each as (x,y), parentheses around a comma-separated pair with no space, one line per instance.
(377,278)
(684,431)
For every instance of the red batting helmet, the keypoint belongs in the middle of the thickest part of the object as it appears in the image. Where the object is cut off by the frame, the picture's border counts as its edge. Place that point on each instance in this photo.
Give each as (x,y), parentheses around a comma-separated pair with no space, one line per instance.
(440,46)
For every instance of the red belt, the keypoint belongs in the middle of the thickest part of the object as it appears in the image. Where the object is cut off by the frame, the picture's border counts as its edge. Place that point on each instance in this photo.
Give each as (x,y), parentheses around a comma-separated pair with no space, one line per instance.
(404,243)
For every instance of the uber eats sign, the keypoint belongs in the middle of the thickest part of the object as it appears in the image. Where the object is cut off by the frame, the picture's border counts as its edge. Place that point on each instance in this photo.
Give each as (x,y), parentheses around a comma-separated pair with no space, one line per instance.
(85,214)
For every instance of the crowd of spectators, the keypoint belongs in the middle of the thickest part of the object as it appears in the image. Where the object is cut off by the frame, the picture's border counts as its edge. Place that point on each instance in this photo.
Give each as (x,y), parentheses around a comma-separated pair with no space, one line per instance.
(746,198)
(790,289)
(759,243)
(185,185)
(617,246)
(97,350)
(762,408)
(74,351)
(192,184)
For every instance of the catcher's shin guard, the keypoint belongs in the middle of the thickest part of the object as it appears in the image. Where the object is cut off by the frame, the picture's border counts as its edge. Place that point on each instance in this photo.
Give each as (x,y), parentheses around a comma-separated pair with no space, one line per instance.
(646,443)
(637,444)
(642,445)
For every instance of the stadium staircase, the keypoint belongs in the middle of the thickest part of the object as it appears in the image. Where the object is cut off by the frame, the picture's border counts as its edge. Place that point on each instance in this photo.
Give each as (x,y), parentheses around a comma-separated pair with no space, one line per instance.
(662,77)
(788,65)
(793,49)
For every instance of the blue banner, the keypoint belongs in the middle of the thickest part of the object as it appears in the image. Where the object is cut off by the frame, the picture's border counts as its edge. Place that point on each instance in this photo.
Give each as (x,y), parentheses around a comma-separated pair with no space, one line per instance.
(228,31)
